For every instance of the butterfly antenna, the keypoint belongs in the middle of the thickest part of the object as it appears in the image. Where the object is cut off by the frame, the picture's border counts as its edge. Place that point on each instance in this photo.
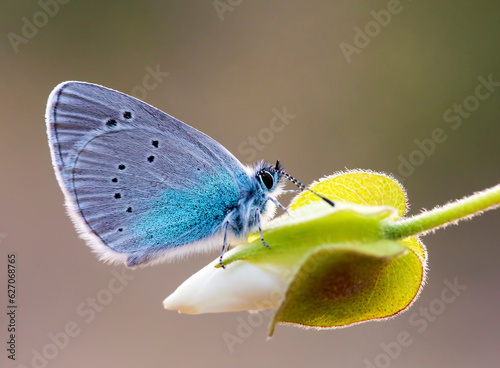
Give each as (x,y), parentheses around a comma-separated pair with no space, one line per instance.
(302,186)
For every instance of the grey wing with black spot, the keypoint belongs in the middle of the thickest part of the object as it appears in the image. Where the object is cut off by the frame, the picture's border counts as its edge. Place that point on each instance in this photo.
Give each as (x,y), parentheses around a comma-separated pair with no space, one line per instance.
(136,180)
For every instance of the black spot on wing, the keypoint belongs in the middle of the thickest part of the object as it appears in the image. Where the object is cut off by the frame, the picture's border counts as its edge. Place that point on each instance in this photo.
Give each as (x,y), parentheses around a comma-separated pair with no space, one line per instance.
(111,123)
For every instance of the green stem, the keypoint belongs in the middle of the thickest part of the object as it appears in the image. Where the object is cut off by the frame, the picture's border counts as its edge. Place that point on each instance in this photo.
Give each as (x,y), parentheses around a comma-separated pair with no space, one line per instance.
(442,216)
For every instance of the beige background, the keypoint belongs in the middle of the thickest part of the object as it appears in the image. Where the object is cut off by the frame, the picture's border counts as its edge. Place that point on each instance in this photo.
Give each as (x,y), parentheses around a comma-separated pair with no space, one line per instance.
(225,79)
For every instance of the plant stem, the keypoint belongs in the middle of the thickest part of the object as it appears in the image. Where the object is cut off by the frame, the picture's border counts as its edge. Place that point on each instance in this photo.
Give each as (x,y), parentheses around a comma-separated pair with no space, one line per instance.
(442,216)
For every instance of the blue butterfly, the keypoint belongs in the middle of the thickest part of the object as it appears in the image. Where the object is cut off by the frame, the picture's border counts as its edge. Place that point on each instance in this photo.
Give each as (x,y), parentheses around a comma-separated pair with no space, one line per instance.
(142,187)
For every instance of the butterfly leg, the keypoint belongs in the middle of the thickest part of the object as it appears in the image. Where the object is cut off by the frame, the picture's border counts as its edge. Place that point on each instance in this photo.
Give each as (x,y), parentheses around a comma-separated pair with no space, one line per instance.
(224,244)
(275,201)
(257,217)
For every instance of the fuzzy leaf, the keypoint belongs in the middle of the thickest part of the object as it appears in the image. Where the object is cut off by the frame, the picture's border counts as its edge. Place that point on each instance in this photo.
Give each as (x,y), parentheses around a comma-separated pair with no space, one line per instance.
(360,187)
(351,285)
(310,227)
(341,269)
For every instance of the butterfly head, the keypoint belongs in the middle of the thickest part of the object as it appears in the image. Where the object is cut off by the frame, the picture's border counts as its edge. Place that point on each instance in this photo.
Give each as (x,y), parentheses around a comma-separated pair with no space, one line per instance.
(269,177)
(280,176)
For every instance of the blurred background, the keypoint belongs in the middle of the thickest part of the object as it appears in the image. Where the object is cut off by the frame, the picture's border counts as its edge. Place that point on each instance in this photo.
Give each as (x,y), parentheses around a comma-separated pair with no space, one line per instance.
(360,90)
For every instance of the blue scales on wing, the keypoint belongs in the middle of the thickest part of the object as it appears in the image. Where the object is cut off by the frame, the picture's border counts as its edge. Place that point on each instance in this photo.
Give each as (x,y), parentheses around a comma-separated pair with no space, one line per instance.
(138,183)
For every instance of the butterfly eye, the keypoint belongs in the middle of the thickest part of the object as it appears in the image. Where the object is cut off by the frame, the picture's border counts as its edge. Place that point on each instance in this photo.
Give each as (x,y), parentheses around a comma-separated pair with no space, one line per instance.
(267,179)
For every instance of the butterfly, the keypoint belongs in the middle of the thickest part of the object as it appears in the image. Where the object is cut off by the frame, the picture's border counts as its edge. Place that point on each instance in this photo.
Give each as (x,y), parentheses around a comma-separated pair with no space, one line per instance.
(142,187)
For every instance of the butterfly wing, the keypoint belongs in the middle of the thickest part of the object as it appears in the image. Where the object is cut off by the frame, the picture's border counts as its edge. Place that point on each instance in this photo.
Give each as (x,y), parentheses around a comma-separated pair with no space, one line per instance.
(139,184)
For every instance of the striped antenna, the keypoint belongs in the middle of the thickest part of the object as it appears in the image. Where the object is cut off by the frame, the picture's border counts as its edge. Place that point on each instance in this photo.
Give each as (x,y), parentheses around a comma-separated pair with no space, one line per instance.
(300,185)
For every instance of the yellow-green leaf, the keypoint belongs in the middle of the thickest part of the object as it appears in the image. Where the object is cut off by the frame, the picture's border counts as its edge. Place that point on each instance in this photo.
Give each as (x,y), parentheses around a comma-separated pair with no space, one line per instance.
(359,187)
(313,226)
(349,286)
(342,270)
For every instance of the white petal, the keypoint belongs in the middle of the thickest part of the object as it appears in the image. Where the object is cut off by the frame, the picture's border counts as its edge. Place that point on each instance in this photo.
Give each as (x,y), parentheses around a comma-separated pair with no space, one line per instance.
(241,286)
